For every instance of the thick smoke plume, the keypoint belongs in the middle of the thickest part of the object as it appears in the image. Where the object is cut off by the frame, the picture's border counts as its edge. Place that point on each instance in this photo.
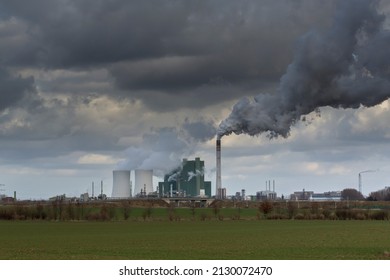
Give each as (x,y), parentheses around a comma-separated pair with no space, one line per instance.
(342,67)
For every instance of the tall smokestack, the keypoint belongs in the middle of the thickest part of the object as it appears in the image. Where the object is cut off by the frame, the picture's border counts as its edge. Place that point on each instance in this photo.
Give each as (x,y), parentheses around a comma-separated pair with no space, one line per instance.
(218,179)
(274,186)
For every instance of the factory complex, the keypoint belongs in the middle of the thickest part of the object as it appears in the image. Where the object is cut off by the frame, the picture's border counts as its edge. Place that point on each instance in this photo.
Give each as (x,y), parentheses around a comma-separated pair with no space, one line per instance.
(187,180)
(187,183)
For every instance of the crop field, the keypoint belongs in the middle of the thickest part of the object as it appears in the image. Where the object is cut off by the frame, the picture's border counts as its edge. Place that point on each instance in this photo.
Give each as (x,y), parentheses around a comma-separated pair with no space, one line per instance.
(195,239)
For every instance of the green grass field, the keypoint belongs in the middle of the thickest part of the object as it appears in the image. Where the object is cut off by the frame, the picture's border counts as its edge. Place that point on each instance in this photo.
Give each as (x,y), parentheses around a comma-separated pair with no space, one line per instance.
(210,239)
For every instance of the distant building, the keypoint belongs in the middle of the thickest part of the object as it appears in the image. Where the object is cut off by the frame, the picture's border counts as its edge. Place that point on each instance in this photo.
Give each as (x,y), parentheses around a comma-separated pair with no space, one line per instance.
(303,195)
(310,195)
(326,196)
(187,180)
(58,198)
(7,199)
(221,193)
(266,195)
(84,197)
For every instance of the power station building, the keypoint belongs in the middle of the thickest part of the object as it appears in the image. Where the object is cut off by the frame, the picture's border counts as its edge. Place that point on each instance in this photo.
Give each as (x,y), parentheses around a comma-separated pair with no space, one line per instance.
(185,181)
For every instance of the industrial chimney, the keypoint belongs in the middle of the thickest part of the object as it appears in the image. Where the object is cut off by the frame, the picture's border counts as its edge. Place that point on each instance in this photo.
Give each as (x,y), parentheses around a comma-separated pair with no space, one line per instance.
(218,184)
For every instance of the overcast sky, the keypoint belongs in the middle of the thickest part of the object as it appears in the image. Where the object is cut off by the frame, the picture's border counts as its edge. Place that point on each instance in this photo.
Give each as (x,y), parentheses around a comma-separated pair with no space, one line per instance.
(90,86)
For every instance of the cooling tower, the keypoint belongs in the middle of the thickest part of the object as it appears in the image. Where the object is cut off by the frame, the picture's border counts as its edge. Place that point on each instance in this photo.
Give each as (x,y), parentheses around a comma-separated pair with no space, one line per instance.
(121,184)
(143,182)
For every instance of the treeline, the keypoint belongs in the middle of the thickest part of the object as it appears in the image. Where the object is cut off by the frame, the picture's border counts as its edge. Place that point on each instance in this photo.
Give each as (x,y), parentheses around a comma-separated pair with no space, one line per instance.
(381,195)
(57,211)
(321,211)
(219,210)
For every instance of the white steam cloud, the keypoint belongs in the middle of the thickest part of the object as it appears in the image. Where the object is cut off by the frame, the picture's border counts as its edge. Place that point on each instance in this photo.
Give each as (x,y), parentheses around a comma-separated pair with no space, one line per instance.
(163,149)
(194,174)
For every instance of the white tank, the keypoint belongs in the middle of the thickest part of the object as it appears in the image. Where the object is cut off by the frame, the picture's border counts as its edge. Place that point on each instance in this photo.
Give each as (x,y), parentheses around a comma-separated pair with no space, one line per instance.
(121,187)
(143,182)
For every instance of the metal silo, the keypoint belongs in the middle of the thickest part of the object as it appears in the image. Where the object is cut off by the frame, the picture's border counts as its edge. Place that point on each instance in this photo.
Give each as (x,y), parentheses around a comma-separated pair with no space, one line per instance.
(143,182)
(121,187)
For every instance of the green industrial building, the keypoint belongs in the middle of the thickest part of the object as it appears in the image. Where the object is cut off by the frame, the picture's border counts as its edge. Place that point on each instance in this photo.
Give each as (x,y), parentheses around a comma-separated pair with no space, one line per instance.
(186,181)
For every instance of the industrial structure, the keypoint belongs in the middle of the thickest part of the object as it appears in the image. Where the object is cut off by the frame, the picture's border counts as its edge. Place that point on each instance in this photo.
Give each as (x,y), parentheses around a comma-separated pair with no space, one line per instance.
(121,185)
(268,194)
(218,184)
(143,185)
(310,195)
(186,181)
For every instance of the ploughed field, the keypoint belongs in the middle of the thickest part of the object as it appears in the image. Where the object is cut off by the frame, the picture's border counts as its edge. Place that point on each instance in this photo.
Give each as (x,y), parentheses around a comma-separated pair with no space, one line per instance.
(196,239)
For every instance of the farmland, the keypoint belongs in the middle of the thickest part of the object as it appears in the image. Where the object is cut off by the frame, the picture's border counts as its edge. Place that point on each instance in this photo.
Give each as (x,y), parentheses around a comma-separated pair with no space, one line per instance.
(153,230)
(197,239)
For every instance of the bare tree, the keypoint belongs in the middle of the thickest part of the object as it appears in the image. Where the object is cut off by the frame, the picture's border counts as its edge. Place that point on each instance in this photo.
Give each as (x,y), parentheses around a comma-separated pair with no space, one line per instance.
(351,194)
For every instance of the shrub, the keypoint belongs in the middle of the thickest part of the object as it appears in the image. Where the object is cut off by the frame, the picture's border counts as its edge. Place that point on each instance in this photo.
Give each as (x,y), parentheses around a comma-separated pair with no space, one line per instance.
(342,214)
(216,208)
(70,211)
(314,207)
(320,216)
(357,215)
(327,213)
(235,217)
(379,215)
(276,217)
(94,217)
(104,213)
(292,209)
(203,216)
(360,216)
(5,214)
(299,217)
(126,210)
(193,212)
(332,216)
(265,207)
(171,212)
(147,213)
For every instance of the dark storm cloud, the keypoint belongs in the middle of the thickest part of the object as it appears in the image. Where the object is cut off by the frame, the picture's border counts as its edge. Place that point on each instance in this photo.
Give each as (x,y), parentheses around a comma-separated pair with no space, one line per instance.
(14,88)
(84,33)
(200,130)
(174,48)
(55,127)
(375,56)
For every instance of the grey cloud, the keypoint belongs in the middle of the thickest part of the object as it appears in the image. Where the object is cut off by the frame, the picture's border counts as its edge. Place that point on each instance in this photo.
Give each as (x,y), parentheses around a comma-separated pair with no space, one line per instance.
(53,128)
(14,88)
(173,48)
(375,55)
(200,130)
(82,33)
